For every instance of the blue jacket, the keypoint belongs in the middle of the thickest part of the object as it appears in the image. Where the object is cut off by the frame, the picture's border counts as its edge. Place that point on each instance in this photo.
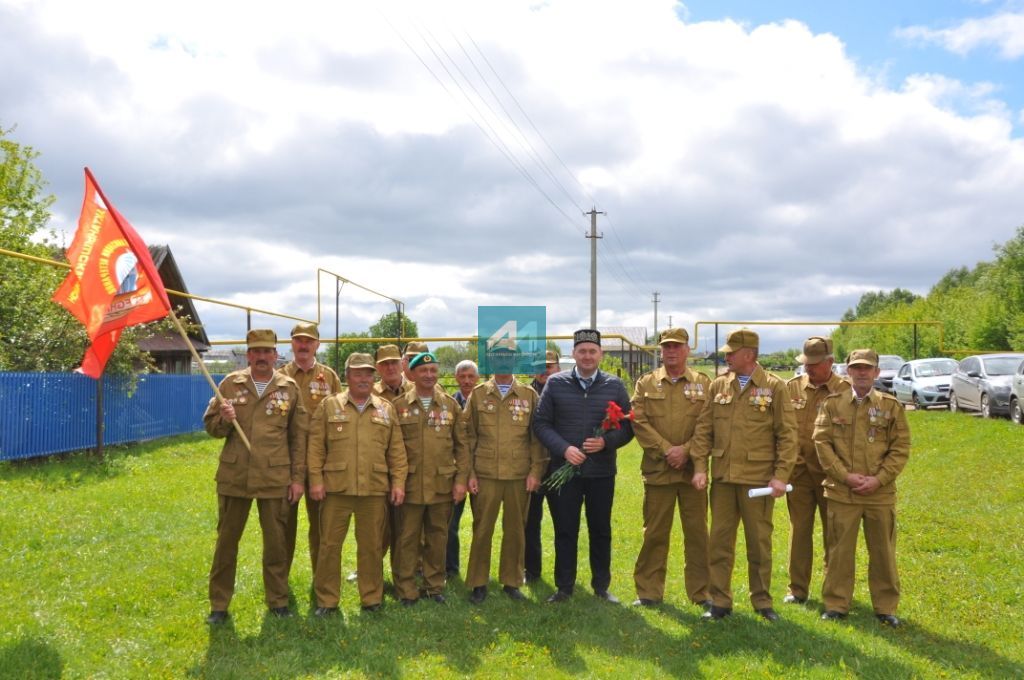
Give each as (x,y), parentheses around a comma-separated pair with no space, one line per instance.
(566,415)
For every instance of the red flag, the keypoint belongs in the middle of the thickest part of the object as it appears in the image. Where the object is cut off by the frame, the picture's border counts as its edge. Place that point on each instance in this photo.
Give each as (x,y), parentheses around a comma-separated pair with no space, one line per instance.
(113,282)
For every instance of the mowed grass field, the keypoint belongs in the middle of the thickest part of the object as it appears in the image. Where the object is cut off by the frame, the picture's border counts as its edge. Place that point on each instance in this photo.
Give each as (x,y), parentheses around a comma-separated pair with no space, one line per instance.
(103,570)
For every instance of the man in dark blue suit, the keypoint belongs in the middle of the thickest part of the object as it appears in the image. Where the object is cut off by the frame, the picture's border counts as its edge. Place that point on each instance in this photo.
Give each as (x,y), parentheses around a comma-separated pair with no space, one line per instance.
(568,422)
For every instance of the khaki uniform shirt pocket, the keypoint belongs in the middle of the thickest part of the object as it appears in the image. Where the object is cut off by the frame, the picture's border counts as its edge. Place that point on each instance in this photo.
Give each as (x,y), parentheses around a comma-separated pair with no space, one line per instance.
(445,479)
(336,476)
(379,481)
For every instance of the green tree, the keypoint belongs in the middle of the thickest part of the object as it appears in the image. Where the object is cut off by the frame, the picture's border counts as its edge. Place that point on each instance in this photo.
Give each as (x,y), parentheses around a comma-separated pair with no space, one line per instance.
(38,334)
(389,326)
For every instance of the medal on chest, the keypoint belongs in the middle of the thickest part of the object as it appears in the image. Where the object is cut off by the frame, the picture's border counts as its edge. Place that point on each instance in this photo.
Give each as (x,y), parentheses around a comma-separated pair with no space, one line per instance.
(278,403)
(760,398)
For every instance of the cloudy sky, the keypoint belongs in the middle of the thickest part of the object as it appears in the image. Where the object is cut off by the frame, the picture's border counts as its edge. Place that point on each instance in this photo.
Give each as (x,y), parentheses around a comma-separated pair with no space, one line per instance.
(756,161)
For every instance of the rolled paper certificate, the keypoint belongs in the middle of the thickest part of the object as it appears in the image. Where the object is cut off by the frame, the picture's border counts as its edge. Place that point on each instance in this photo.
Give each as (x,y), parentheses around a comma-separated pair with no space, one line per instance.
(765,491)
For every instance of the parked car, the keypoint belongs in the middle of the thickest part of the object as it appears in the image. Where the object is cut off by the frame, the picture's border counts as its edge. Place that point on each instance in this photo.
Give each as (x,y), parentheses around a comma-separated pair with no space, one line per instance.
(1017,396)
(924,382)
(982,383)
(889,364)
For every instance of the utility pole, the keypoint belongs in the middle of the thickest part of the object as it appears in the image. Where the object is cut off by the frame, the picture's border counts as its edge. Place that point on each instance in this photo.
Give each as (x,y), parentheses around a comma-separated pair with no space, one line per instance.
(593,264)
(655,301)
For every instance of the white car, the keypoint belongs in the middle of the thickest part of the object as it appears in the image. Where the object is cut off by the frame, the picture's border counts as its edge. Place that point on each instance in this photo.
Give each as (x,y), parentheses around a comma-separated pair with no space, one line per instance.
(924,382)
(1017,395)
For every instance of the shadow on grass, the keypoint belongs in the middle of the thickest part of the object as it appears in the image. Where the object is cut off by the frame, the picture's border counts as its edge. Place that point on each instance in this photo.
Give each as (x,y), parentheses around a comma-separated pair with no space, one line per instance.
(584,636)
(960,655)
(30,658)
(78,468)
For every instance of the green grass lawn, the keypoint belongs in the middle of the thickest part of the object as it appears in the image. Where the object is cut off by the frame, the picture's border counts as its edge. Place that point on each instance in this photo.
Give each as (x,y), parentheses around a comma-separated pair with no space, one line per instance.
(103,570)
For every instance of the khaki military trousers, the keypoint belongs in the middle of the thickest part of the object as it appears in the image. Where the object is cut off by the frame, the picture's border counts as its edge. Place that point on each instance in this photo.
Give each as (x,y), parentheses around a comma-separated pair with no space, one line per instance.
(844,520)
(429,522)
(660,503)
(232,514)
(336,512)
(729,506)
(313,515)
(805,501)
(493,494)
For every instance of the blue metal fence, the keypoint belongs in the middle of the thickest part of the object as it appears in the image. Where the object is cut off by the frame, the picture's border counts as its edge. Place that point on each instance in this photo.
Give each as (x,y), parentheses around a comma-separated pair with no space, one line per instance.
(46,413)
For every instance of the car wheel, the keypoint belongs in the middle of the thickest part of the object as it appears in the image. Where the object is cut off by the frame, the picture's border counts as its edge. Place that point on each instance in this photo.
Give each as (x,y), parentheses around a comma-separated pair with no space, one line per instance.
(954,405)
(1015,412)
(918,404)
(986,408)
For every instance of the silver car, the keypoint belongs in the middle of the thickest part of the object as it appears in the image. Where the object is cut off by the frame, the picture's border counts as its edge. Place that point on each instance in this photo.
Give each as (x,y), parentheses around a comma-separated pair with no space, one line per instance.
(888,364)
(1017,396)
(924,382)
(982,383)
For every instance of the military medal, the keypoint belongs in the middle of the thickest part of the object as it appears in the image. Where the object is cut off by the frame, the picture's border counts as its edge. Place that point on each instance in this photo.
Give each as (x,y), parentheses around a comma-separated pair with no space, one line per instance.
(721,398)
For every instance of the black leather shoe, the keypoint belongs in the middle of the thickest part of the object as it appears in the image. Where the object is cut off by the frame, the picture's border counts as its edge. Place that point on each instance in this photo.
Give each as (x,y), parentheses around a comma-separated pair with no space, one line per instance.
(438,598)
(793,599)
(372,607)
(217,617)
(706,605)
(644,602)
(560,596)
(606,596)
(513,592)
(324,612)
(768,614)
(716,613)
(478,595)
(833,615)
(408,603)
(889,620)
(281,612)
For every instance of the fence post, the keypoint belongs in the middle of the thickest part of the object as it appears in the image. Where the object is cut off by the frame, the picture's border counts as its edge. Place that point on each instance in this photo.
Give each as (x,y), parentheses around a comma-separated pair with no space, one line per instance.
(715,351)
(99,417)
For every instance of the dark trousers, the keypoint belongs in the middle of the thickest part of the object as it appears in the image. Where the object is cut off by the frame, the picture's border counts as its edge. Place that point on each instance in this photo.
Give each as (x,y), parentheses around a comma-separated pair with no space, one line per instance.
(596,495)
(451,555)
(534,516)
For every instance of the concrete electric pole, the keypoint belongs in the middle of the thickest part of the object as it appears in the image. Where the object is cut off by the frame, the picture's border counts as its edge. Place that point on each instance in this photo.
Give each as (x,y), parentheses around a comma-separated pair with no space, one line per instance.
(593,264)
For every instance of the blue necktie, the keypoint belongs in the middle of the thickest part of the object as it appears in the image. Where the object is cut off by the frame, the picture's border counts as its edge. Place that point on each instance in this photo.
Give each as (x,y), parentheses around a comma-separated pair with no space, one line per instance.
(587,382)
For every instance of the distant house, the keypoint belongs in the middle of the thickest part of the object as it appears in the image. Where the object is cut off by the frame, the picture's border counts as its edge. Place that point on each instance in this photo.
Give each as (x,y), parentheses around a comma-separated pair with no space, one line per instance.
(169,350)
(635,361)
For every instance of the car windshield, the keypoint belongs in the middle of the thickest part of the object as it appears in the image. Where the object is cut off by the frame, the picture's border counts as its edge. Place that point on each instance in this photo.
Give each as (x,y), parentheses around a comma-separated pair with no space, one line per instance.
(930,369)
(1001,365)
(889,363)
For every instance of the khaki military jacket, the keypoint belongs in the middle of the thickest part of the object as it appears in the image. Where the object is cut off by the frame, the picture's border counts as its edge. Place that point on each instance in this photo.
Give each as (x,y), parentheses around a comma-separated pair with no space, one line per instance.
(498,433)
(665,415)
(435,446)
(871,438)
(276,427)
(385,392)
(807,400)
(315,385)
(750,434)
(353,453)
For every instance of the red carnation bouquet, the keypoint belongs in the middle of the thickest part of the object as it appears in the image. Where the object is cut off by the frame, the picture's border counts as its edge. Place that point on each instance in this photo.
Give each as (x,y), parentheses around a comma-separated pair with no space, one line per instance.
(613,417)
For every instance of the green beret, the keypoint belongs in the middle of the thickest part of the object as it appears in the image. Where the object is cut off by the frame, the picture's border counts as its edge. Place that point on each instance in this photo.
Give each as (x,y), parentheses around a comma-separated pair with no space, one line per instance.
(422,359)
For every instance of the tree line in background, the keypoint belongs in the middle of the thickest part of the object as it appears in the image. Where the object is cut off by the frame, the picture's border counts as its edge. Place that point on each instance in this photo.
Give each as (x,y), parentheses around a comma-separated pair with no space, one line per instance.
(980,309)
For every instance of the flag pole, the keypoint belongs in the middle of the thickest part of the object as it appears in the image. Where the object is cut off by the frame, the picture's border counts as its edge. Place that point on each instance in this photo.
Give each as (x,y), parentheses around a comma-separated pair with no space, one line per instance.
(209,378)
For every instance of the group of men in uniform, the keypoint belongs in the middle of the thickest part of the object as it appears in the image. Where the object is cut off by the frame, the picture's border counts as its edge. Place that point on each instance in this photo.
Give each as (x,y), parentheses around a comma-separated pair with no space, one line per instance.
(400,455)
